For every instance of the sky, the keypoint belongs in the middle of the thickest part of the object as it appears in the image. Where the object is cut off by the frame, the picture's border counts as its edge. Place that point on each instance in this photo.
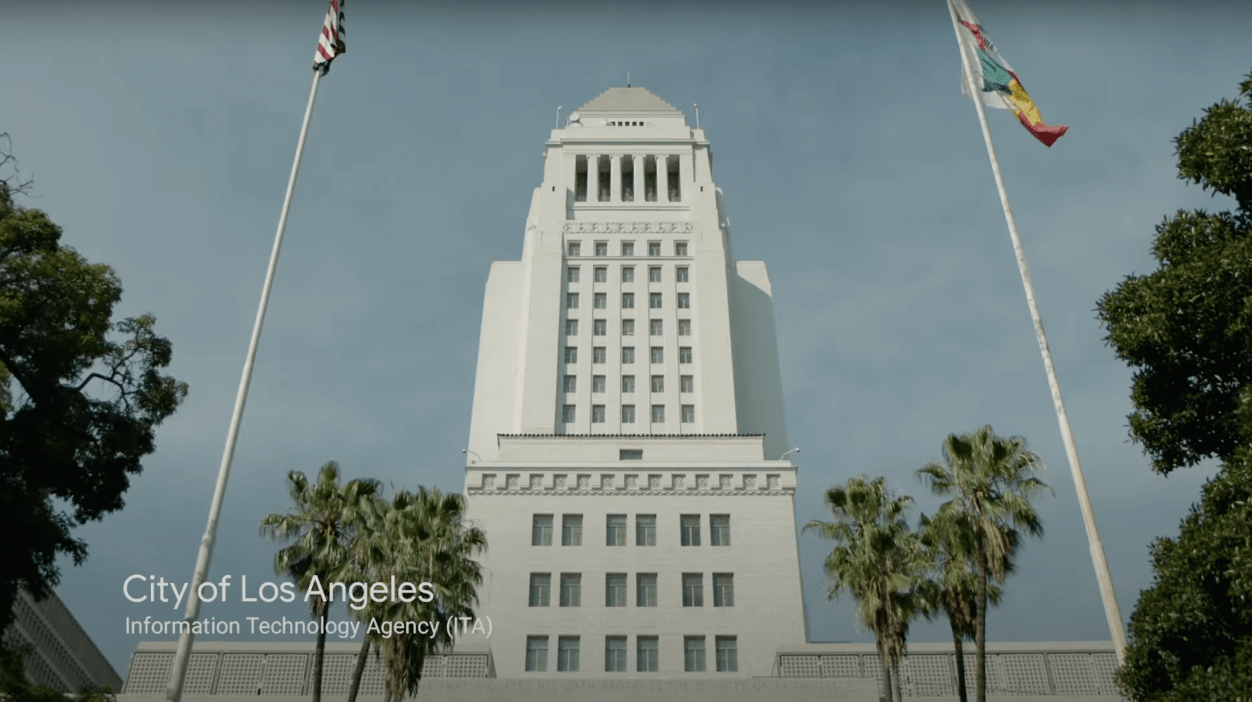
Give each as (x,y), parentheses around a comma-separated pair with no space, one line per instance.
(161,136)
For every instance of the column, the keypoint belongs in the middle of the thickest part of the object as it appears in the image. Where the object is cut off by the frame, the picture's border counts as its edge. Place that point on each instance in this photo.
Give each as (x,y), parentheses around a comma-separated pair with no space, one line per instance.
(685,176)
(662,179)
(639,194)
(593,178)
(615,178)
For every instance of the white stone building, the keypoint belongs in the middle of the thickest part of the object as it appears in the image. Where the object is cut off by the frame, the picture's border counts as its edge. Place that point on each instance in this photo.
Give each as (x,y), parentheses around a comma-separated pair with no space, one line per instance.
(627,455)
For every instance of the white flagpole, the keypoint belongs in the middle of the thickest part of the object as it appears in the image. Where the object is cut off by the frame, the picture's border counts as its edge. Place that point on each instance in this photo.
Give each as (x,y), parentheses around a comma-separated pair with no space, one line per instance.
(178,674)
(1105,579)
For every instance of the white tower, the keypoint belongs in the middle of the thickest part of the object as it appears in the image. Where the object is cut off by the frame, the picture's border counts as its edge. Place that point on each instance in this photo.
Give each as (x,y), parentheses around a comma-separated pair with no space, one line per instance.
(627,449)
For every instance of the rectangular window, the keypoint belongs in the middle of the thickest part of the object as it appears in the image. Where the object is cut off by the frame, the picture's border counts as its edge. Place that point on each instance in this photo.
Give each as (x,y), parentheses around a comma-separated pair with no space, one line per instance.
(615,531)
(597,414)
(598,355)
(719,530)
(654,274)
(615,653)
(727,653)
(723,590)
(682,274)
(571,274)
(628,384)
(571,384)
(597,384)
(571,328)
(569,413)
(658,384)
(688,384)
(658,413)
(601,274)
(658,355)
(645,530)
(571,530)
(574,249)
(693,590)
(647,653)
(684,300)
(690,525)
(628,274)
(628,248)
(693,653)
(628,355)
(645,590)
(537,653)
(615,591)
(571,301)
(541,531)
(654,301)
(689,414)
(628,328)
(684,355)
(655,328)
(540,590)
(684,328)
(628,301)
(571,355)
(602,248)
(628,414)
(680,248)
(601,301)
(567,653)
(630,455)
(654,248)
(599,328)
(571,590)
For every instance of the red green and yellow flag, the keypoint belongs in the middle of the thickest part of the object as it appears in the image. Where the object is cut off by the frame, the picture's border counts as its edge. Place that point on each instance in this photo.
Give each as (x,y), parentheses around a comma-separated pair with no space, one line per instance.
(1000,85)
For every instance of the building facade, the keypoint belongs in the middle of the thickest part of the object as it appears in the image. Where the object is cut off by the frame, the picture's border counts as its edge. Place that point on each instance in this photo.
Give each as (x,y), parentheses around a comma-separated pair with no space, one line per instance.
(627,455)
(62,656)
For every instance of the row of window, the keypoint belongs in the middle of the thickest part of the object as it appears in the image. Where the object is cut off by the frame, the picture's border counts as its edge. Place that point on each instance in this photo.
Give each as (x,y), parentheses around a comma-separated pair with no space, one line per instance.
(600,328)
(656,355)
(571,585)
(569,413)
(601,301)
(601,274)
(686,384)
(615,530)
(627,249)
(647,652)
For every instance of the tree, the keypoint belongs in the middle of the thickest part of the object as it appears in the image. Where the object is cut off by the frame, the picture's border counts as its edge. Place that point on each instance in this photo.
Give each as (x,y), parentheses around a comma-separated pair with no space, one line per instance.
(992,480)
(322,523)
(80,401)
(876,558)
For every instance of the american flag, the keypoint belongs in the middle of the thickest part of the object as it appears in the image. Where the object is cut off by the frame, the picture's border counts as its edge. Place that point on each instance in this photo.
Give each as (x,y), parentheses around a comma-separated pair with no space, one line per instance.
(331,43)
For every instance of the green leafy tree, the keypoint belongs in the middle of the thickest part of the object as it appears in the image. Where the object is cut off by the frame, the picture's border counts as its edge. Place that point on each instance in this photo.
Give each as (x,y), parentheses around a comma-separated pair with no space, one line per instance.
(321,526)
(81,396)
(992,480)
(1186,330)
(878,560)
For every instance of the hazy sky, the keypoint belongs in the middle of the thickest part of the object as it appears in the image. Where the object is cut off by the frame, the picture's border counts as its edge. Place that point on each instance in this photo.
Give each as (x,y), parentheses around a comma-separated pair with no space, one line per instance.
(161,137)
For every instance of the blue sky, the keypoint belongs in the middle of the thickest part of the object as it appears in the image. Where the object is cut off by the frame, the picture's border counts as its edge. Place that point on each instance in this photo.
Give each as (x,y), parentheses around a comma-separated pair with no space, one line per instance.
(161,137)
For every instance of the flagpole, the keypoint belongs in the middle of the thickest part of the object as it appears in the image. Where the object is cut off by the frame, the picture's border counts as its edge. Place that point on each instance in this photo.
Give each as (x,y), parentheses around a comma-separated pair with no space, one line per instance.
(1103,576)
(182,658)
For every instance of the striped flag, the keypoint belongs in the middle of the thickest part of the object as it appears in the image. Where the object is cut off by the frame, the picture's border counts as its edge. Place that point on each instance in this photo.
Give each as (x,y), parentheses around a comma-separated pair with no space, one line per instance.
(1000,86)
(331,43)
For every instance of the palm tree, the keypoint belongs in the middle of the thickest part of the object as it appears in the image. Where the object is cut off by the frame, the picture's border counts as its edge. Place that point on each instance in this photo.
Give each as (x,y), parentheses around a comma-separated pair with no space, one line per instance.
(321,523)
(992,480)
(876,558)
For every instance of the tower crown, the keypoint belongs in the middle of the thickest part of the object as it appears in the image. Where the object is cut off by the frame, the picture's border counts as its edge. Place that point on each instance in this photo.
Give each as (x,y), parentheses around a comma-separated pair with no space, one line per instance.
(627,107)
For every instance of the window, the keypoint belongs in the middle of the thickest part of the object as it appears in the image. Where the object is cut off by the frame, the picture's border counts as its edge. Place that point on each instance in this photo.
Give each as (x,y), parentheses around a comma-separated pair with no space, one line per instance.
(615,653)
(541,531)
(628,384)
(573,249)
(628,415)
(599,328)
(567,653)
(684,300)
(597,384)
(571,274)
(540,590)
(645,590)
(645,530)
(628,328)
(571,355)
(719,530)
(628,301)
(693,653)
(630,455)
(602,248)
(689,414)
(571,328)
(628,355)
(688,384)
(647,652)
(654,248)
(658,355)
(654,301)
(601,274)
(658,384)
(571,530)
(654,274)
(628,248)
(690,525)
(615,531)
(723,590)
(658,413)
(693,590)
(656,328)
(571,301)
(727,653)
(628,274)
(597,414)
(601,301)
(598,355)
(571,590)
(684,355)
(615,591)
(537,653)
(680,248)
(684,328)
(681,276)
(571,384)
(569,413)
